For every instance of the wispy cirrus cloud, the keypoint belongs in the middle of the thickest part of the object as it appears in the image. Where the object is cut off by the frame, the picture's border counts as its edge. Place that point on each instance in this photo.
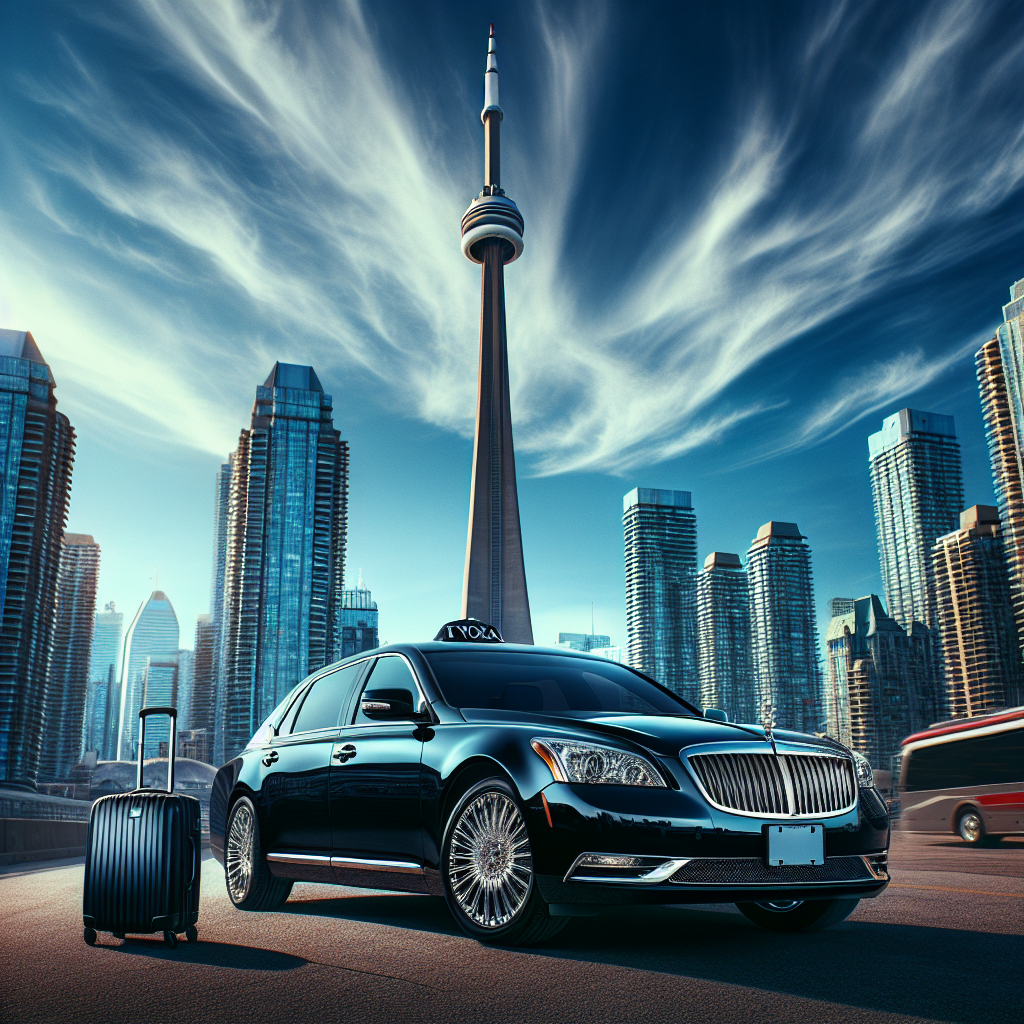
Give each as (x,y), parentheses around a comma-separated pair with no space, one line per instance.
(873,388)
(280,190)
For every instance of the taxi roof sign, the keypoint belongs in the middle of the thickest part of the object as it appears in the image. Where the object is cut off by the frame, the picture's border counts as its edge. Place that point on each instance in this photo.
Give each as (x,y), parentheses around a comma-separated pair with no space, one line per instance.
(469,631)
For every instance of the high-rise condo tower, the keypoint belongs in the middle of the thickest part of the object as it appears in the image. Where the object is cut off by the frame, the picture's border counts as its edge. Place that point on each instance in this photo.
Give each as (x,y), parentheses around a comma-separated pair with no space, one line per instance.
(723,638)
(1000,365)
(660,533)
(783,628)
(68,681)
(284,562)
(918,492)
(37,449)
(494,586)
(974,616)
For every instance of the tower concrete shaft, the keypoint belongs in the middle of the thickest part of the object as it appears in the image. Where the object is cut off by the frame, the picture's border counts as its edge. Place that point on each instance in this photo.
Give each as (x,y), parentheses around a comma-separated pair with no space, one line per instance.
(494,585)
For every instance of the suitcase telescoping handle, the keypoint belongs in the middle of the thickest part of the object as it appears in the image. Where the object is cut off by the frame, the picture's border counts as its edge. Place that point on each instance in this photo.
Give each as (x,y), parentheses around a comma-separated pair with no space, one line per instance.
(143,715)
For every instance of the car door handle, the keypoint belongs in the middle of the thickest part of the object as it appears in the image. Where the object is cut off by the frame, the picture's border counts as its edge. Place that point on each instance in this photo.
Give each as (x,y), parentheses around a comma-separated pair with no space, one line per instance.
(346,753)
(270,758)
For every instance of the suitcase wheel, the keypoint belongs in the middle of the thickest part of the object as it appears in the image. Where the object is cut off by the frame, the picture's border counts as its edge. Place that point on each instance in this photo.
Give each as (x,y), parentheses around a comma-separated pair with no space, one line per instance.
(90,936)
(192,933)
(171,939)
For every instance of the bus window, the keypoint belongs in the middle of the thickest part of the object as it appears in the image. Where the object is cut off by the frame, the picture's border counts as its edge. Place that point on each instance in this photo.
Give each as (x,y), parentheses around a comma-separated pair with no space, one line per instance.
(979,761)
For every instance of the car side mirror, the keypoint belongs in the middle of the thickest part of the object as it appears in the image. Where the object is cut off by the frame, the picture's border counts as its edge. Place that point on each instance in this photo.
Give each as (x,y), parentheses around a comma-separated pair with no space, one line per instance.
(716,714)
(389,705)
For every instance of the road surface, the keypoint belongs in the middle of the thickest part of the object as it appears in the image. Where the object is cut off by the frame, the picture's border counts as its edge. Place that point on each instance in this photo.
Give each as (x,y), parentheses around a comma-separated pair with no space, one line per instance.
(944,943)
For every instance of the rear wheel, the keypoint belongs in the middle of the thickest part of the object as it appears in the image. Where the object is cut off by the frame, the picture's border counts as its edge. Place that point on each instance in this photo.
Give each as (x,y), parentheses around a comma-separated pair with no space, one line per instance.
(250,884)
(798,915)
(171,939)
(971,827)
(487,870)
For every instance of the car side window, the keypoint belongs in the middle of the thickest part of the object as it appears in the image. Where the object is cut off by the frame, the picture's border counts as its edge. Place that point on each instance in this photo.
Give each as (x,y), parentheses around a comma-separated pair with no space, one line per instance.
(390,674)
(322,706)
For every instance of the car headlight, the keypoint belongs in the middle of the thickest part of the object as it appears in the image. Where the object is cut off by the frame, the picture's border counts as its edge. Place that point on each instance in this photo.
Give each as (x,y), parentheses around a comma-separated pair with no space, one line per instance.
(570,761)
(862,767)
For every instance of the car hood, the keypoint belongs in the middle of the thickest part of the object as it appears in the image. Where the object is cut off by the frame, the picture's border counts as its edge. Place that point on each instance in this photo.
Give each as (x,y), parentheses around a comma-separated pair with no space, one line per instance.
(663,734)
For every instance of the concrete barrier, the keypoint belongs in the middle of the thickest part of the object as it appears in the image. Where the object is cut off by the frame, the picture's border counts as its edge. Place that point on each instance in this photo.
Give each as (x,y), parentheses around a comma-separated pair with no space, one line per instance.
(24,840)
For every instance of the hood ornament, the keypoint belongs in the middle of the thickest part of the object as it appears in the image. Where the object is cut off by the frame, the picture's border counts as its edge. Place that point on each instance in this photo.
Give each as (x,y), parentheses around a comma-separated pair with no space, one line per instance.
(768,721)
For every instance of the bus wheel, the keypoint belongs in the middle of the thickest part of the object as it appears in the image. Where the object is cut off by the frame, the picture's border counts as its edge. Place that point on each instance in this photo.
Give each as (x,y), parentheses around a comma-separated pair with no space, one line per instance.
(970,827)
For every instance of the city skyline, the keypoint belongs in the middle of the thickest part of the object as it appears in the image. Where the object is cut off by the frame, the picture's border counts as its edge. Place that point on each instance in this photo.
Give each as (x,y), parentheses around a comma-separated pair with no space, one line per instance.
(157,402)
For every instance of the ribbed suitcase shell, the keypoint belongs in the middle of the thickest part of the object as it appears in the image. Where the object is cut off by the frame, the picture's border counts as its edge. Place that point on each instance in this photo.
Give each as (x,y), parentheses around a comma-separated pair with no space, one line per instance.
(142,872)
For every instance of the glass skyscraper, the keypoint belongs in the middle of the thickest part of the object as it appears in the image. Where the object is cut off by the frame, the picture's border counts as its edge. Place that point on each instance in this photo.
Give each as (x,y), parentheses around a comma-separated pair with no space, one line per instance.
(723,638)
(204,690)
(1000,367)
(221,503)
(359,623)
(153,634)
(879,686)
(975,617)
(661,566)
(285,549)
(918,490)
(68,688)
(102,710)
(783,629)
(37,448)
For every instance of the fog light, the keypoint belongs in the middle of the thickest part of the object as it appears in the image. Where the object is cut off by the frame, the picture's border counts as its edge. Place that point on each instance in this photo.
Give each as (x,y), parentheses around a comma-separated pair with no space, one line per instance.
(608,860)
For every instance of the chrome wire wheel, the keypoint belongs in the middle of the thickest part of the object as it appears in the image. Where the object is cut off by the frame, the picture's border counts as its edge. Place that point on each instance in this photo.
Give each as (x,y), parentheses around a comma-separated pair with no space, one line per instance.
(238,856)
(490,868)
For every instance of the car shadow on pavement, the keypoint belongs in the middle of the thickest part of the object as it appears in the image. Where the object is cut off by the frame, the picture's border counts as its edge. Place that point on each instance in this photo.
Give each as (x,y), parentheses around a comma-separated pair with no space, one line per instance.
(209,954)
(893,968)
(419,913)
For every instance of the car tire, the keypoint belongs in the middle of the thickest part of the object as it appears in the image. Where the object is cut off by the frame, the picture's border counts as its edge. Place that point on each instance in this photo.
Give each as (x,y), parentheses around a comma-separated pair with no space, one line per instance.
(798,915)
(249,882)
(487,869)
(970,827)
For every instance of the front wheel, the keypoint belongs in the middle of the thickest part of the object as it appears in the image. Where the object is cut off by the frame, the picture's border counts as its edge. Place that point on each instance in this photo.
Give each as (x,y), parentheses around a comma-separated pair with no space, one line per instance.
(487,870)
(798,915)
(251,886)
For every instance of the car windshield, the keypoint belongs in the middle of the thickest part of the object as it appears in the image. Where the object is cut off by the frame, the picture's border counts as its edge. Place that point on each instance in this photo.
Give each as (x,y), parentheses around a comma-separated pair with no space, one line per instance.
(520,681)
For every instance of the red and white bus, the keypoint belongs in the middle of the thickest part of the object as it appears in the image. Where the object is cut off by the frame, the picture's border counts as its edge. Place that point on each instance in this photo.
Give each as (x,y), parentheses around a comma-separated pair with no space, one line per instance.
(966,777)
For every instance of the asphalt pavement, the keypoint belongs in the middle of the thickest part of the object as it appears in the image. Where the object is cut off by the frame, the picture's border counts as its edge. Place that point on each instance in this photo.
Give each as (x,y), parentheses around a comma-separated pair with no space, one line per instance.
(945,942)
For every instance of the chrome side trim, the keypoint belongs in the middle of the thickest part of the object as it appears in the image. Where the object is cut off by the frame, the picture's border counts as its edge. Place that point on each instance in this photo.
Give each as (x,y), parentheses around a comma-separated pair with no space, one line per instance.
(309,859)
(402,867)
(351,863)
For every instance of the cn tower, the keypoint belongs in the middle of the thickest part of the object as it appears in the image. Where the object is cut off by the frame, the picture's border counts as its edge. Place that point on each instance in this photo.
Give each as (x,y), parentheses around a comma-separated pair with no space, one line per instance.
(494,586)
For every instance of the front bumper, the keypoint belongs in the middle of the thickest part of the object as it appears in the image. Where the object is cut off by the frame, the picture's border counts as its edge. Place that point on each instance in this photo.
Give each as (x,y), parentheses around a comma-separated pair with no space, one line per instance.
(720,857)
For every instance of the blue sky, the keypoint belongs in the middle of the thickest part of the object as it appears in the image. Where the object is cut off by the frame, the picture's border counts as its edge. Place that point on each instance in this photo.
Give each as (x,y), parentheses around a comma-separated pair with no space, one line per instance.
(752,231)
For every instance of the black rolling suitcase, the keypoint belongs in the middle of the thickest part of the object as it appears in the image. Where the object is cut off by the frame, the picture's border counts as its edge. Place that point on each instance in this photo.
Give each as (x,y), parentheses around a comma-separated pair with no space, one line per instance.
(143,855)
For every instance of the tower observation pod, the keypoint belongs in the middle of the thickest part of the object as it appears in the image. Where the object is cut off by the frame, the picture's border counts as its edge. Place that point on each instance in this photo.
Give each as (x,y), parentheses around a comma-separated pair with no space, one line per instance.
(494,586)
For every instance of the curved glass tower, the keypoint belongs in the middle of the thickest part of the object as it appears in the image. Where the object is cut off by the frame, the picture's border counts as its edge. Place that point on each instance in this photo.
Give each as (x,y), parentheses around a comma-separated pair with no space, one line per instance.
(149,647)
(494,586)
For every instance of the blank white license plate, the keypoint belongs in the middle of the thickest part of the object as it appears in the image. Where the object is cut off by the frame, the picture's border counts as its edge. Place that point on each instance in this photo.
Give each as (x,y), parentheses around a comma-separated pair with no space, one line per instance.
(796,844)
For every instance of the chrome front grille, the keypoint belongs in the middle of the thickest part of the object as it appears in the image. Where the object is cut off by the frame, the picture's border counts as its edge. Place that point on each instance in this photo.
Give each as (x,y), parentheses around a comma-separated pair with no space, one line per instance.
(805,785)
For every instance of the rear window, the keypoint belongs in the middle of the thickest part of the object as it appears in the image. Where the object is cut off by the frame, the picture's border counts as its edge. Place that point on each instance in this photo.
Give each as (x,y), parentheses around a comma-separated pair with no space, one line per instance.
(546,683)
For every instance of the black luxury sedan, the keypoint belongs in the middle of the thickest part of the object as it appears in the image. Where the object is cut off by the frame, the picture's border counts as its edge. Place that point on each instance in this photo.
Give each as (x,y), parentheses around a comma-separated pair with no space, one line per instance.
(530,785)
